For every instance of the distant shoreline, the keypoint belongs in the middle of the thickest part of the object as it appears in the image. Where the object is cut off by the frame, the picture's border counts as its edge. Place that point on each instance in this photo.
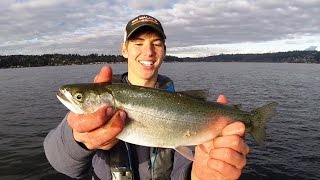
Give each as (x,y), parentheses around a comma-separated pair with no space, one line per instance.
(22,61)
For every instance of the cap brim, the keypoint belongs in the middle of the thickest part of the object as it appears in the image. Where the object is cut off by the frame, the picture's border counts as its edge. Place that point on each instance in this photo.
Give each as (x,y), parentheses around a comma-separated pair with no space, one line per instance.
(146,25)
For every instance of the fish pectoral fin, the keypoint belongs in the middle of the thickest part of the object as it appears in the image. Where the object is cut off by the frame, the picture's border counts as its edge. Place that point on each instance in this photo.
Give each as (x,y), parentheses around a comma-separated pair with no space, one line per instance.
(185,152)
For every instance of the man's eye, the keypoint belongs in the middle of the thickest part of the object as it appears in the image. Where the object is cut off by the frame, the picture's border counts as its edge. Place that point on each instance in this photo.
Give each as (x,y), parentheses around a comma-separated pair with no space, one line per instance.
(157,43)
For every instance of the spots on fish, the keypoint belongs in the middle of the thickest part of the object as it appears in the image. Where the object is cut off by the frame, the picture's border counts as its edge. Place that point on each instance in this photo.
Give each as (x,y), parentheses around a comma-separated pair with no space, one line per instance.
(188,134)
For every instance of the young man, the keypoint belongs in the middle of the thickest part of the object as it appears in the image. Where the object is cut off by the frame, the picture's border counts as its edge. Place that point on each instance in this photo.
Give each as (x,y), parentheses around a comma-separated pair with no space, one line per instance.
(83,144)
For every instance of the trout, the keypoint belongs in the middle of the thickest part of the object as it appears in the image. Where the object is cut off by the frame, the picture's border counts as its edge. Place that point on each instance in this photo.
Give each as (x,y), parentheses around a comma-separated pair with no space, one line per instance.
(158,118)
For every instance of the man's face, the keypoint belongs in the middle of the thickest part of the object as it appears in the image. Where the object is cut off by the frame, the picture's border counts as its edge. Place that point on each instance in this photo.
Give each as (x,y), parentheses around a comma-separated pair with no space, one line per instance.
(145,54)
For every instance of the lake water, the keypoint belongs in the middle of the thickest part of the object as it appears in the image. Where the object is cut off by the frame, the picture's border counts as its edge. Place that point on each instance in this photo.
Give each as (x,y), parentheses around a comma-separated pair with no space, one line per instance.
(29,109)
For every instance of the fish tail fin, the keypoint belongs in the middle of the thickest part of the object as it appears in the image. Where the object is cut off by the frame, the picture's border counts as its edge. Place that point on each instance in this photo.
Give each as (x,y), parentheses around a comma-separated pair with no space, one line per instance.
(260,118)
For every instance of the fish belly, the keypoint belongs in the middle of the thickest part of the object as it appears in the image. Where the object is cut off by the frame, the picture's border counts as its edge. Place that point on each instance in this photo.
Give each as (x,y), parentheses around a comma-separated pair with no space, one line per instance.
(161,129)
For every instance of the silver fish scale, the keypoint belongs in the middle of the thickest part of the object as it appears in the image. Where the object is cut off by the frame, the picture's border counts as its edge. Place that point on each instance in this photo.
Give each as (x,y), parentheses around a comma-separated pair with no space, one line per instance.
(163,119)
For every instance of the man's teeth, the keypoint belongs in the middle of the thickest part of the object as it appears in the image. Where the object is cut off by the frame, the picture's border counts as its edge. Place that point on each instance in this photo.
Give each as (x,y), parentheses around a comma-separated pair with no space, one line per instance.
(146,63)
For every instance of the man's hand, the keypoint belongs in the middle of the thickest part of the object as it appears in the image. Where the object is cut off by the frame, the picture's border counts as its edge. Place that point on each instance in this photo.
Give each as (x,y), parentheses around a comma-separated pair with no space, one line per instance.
(99,129)
(225,156)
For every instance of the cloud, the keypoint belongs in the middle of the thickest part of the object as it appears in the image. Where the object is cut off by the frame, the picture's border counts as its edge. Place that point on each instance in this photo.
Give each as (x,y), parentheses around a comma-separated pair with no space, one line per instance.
(150,4)
(193,27)
(241,21)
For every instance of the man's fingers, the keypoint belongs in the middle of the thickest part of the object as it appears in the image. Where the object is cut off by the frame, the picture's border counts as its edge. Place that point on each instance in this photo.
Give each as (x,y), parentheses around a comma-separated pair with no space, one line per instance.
(232,138)
(109,145)
(229,156)
(116,124)
(105,75)
(222,99)
(233,142)
(105,136)
(89,122)
(224,169)
(236,128)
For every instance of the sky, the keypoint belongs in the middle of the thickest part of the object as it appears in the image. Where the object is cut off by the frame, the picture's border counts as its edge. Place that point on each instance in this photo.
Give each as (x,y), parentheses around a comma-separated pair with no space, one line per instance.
(194,28)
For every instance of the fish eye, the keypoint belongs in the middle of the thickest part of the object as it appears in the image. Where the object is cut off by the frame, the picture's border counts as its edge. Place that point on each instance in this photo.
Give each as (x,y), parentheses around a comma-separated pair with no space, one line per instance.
(78,96)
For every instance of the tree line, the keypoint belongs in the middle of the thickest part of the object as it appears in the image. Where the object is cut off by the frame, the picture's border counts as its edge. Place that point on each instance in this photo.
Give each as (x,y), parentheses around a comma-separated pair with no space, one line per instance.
(15,61)
(279,57)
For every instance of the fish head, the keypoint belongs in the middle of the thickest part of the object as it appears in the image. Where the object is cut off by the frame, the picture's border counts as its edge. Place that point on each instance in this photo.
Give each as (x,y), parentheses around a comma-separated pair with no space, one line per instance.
(85,98)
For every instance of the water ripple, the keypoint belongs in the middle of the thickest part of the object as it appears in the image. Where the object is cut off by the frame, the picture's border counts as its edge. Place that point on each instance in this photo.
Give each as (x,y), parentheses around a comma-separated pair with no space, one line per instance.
(29,110)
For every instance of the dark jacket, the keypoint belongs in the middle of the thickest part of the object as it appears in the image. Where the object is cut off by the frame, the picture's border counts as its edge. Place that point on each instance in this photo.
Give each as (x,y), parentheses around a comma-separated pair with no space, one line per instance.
(70,158)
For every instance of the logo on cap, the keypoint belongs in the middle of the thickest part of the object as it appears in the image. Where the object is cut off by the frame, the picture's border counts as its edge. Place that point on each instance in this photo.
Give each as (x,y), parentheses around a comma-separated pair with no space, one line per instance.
(144,19)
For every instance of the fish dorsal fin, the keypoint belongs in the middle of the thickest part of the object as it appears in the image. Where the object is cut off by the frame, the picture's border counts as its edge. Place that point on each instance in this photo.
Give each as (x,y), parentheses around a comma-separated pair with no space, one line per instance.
(199,94)
(185,152)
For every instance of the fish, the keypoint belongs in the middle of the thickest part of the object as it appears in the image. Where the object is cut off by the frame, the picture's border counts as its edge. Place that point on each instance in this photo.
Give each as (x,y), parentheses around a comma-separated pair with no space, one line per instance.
(159,118)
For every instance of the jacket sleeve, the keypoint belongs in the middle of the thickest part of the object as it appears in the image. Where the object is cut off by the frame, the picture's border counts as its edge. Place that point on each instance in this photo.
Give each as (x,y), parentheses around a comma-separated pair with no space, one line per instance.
(65,154)
(181,167)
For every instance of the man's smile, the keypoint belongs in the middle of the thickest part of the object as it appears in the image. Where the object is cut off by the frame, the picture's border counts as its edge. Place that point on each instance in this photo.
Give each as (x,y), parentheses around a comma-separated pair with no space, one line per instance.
(146,63)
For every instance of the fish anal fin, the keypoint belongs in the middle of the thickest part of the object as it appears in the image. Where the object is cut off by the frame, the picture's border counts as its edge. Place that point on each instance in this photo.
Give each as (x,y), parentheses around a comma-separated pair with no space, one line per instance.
(185,152)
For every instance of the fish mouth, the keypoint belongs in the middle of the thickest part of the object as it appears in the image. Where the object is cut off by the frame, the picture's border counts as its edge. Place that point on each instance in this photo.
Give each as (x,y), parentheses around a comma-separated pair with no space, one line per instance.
(66,98)
(61,96)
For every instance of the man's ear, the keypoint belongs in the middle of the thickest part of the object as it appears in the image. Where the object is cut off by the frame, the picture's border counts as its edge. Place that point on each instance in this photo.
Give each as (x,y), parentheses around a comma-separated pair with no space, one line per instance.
(124,50)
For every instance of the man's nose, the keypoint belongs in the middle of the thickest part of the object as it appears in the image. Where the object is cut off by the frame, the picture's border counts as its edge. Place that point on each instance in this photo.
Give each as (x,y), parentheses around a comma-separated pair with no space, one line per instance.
(148,49)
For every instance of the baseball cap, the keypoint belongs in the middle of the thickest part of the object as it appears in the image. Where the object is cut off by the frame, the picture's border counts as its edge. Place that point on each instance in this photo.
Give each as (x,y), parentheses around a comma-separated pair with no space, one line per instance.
(142,21)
